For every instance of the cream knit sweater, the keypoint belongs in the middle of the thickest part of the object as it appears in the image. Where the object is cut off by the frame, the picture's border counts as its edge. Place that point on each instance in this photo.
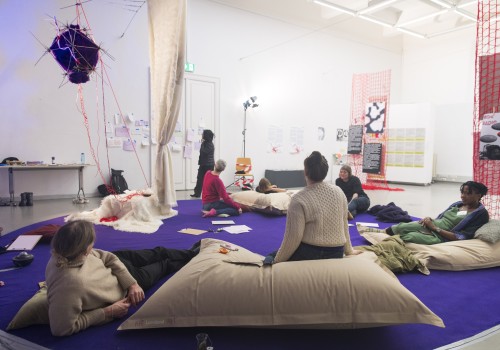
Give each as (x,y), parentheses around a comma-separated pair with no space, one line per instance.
(78,291)
(317,215)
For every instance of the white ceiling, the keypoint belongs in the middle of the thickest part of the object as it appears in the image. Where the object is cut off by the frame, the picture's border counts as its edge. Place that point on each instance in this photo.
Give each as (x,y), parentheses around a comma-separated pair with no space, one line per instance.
(397,18)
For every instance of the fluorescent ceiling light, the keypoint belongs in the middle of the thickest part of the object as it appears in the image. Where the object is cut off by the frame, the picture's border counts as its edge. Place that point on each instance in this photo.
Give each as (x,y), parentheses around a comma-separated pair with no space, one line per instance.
(374,20)
(451,30)
(465,14)
(374,7)
(465,4)
(335,7)
(422,18)
(410,32)
(442,3)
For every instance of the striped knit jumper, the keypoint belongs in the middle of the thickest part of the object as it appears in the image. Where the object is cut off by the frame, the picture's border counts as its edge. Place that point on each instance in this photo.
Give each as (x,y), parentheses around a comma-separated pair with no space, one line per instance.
(317,215)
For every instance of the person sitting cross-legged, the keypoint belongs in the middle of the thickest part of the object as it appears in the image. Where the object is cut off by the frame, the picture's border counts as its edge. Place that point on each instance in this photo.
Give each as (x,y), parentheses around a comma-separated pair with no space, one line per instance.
(215,199)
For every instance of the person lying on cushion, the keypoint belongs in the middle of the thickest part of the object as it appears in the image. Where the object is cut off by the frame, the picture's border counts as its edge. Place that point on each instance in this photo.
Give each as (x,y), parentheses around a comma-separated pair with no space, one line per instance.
(459,221)
(266,187)
(215,199)
(88,287)
(316,222)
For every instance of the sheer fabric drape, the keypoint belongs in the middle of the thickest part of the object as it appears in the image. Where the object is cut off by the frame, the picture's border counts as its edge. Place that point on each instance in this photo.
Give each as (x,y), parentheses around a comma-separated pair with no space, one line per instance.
(167,19)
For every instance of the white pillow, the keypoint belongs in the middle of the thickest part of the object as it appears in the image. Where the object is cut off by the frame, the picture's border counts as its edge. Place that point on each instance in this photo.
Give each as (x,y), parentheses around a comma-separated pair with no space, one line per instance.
(336,293)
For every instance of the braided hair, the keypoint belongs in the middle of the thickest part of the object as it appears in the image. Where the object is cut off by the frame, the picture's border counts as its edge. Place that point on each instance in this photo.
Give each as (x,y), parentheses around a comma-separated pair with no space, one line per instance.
(474,187)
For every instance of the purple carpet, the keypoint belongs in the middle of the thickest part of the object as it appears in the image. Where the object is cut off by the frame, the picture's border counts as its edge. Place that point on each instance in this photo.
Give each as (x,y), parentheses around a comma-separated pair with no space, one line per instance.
(468,301)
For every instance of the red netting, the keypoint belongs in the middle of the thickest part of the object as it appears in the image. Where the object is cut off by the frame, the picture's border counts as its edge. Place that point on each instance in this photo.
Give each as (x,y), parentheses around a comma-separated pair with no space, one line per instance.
(369,89)
(486,127)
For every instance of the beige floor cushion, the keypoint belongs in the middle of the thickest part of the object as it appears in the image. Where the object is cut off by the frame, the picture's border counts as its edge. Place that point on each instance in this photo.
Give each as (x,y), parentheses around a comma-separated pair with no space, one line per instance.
(272,203)
(460,255)
(234,289)
(34,311)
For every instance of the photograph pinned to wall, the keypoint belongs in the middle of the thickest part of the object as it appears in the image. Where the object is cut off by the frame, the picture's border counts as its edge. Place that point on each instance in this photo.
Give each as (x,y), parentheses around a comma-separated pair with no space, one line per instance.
(342,134)
(321,133)
(489,139)
(375,117)
(274,139)
(355,139)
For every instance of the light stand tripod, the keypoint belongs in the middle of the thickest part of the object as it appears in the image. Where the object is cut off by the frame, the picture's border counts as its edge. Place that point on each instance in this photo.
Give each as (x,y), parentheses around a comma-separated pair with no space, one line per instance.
(248,103)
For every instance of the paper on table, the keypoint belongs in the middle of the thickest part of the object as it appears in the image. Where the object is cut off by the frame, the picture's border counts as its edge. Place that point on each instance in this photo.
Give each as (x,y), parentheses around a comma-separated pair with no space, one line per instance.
(367,224)
(192,231)
(24,242)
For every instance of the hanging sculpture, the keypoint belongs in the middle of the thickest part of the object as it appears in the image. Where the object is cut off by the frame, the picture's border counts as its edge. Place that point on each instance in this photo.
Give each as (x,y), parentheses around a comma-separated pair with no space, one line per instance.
(76,53)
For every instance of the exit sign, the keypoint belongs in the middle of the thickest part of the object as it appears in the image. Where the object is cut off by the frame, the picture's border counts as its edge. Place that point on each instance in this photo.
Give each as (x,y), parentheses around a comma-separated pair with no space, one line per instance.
(189,67)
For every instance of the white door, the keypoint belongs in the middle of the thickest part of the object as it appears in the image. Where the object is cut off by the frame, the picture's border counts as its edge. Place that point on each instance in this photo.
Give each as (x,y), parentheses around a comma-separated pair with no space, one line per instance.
(199,111)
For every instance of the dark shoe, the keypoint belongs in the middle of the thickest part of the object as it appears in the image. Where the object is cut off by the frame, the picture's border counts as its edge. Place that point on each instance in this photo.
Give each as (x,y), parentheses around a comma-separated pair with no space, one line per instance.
(29,199)
(194,195)
(23,201)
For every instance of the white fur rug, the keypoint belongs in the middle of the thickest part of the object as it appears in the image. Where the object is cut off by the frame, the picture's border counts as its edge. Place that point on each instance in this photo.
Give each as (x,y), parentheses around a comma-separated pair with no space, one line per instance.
(137,211)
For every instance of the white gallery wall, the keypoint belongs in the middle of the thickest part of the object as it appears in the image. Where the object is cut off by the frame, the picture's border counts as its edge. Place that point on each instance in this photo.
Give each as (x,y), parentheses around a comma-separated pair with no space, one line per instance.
(441,72)
(41,112)
(302,79)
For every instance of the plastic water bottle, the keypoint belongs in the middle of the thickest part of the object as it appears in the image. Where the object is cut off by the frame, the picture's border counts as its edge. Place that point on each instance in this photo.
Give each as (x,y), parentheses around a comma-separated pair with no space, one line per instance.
(82,158)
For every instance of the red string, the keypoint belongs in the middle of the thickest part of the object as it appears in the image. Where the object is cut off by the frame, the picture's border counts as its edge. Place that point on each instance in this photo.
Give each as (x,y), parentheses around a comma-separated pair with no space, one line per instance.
(81,12)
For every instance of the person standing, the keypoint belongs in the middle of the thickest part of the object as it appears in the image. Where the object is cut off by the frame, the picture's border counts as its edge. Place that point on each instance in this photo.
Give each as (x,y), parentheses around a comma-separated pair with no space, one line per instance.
(357,199)
(205,161)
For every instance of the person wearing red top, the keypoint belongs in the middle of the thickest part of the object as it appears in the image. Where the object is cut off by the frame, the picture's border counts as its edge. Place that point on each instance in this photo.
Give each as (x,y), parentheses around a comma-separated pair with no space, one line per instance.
(214,198)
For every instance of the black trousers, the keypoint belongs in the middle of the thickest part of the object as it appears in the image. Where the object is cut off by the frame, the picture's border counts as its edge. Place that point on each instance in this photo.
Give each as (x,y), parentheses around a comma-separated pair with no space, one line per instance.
(202,170)
(148,266)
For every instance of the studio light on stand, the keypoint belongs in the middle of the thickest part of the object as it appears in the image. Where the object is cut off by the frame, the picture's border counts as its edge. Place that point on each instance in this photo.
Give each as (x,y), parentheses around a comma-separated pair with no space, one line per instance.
(250,103)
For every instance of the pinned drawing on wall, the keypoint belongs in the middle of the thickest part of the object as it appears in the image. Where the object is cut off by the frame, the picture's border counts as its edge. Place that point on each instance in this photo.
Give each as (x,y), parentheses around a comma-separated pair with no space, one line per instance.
(188,151)
(489,139)
(321,133)
(121,131)
(274,139)
(375,117)
(296,140)
(190,135)
(129,145)
(342,134)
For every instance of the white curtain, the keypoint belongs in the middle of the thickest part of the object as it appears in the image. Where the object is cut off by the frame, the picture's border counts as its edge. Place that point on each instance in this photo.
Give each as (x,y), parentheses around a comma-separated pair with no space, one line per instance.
(167,21)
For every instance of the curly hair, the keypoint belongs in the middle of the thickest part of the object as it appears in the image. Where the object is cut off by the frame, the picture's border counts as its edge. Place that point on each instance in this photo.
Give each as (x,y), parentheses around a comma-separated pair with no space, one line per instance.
(474,187)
